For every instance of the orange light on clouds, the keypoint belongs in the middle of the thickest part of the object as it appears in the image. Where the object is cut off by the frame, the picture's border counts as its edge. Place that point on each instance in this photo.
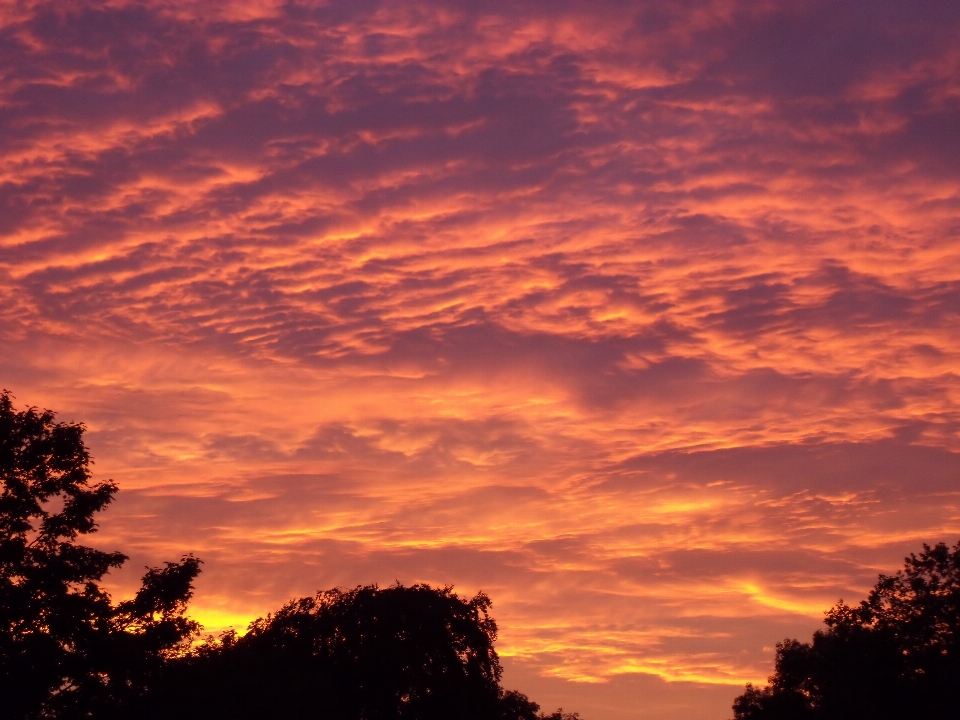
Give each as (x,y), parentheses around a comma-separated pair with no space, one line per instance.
(644,320)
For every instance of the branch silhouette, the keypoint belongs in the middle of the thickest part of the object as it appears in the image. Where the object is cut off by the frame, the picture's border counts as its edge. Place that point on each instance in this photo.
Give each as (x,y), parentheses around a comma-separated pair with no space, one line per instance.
(68,652)
(895,655)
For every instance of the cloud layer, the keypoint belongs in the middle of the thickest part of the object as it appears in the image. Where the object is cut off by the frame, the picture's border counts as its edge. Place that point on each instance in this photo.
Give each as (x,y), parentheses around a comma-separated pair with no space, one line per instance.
(643,319)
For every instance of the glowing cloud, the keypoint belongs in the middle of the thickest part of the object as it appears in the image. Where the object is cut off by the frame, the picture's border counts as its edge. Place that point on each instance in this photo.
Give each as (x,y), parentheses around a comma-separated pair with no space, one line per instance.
(645,320)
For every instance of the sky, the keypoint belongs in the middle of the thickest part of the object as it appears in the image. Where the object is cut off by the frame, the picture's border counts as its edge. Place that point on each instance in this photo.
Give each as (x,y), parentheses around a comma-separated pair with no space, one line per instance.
(643,318)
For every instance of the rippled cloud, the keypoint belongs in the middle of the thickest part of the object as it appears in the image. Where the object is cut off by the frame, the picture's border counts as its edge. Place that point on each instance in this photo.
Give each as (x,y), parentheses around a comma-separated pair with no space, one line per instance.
(641,318)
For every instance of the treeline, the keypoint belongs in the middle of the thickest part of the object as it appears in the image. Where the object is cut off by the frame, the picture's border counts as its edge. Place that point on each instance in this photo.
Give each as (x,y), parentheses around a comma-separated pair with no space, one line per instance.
(398,652)
(68,652)
(419,653)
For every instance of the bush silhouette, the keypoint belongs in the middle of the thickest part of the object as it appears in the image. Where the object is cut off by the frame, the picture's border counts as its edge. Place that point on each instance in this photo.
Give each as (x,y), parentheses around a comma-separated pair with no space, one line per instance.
(896,655)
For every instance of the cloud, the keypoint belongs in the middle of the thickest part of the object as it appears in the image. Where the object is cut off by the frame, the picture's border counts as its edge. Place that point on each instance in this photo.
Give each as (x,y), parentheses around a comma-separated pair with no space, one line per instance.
(641,318)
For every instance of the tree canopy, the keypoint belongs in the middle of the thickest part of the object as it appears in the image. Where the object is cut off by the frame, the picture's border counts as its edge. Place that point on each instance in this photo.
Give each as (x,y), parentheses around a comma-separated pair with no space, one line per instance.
(371,653)
(895,655)
(66,650)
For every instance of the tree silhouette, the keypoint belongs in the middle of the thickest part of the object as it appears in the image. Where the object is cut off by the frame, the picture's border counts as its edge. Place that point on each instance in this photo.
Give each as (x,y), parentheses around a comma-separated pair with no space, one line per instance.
(895,655)
(65,650)
(369,653)
(414,653)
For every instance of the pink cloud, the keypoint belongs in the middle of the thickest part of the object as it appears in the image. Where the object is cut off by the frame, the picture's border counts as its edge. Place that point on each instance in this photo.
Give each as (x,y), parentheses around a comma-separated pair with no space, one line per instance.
(642,319)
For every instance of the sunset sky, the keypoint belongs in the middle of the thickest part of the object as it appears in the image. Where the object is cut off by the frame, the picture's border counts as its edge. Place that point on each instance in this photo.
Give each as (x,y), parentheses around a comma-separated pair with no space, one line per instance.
(641,317)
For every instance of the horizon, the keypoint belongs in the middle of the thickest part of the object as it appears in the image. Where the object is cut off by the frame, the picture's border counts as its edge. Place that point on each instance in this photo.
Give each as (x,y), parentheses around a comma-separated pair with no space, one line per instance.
(640,318)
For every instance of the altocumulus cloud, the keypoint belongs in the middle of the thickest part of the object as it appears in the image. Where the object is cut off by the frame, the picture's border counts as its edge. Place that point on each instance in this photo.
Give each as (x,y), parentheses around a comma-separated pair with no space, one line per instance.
(641,318)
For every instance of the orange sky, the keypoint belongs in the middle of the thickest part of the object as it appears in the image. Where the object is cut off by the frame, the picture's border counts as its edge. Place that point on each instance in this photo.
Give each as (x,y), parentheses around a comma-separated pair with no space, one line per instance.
(642,318)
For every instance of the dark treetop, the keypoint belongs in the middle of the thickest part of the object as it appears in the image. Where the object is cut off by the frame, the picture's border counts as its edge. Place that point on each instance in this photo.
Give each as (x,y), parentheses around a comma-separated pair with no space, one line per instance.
(896,655)
(373,653)
(68,652)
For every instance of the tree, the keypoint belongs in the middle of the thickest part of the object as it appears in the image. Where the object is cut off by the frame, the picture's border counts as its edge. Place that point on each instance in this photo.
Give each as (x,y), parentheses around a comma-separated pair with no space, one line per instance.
(369,653)
(68,652)
(895,655)
(65,650)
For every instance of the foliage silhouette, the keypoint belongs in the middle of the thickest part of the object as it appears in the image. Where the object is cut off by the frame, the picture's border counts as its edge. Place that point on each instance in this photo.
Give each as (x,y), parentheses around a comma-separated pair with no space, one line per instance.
(65,650)
(371,653)
(68,652)
(896,655)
